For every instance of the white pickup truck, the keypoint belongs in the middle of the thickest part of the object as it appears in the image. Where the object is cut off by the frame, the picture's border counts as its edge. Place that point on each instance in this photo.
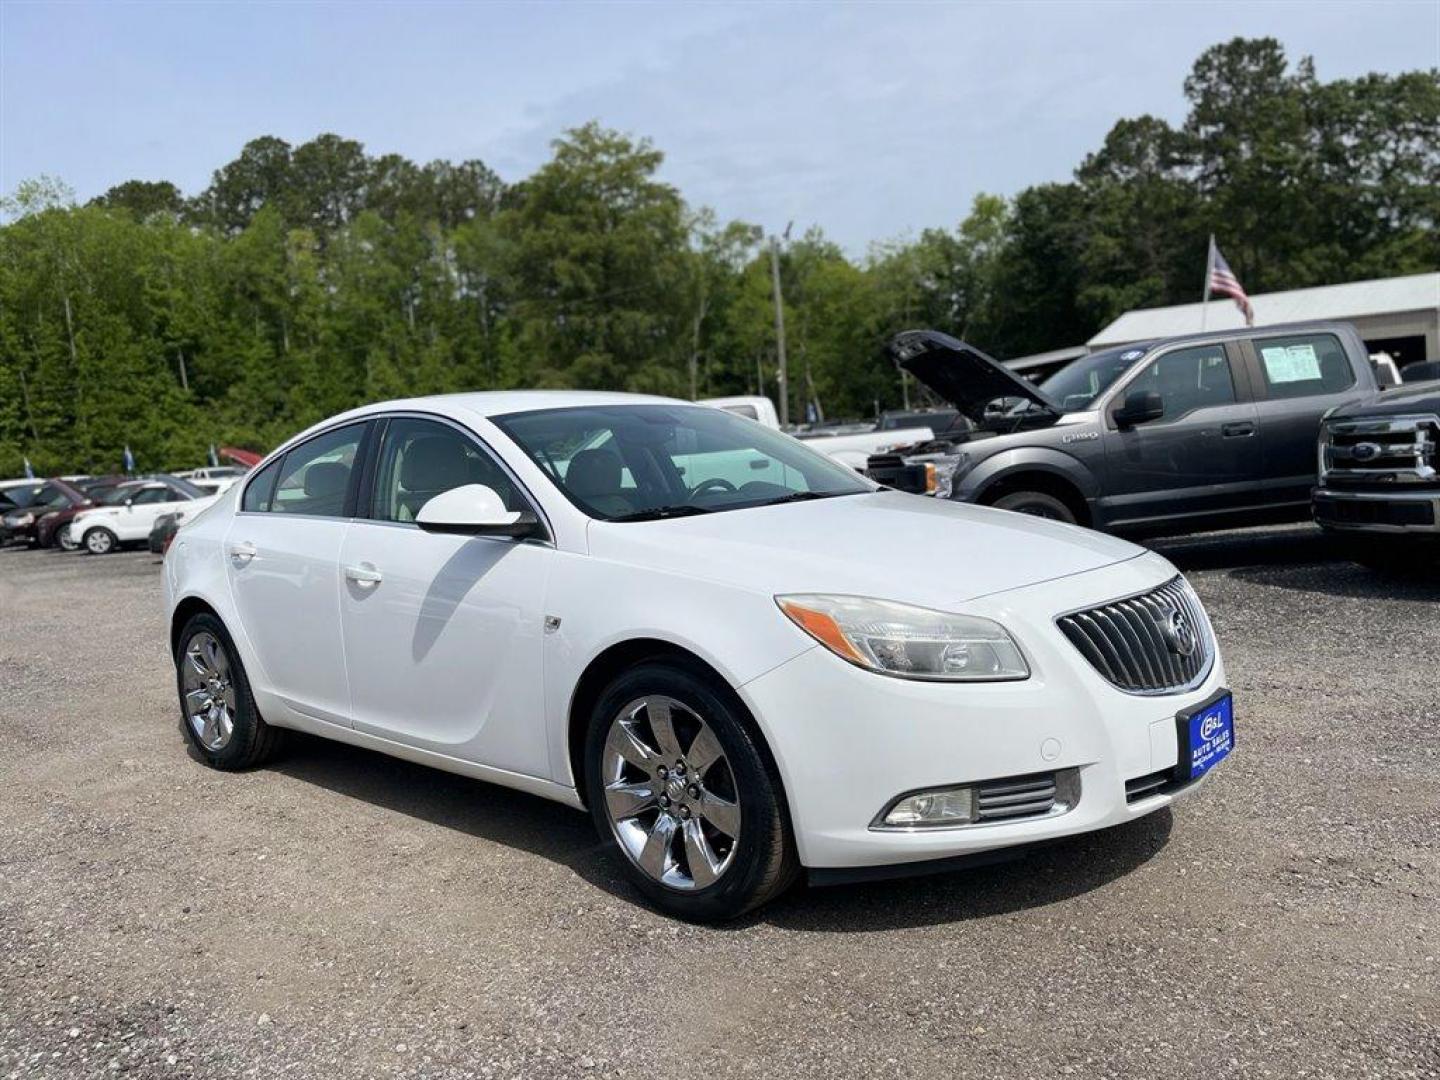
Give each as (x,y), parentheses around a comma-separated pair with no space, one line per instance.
(851,449)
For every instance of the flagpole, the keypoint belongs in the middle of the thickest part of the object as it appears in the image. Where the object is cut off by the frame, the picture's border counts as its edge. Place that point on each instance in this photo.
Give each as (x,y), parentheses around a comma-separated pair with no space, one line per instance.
(1205,297)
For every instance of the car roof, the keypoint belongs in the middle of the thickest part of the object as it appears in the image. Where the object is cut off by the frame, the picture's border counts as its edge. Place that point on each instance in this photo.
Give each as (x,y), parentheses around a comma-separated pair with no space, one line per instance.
(1149,344)
(490,403)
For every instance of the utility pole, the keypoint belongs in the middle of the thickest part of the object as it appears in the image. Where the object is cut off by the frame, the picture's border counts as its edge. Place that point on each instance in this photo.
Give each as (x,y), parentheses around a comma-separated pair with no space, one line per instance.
(783,378)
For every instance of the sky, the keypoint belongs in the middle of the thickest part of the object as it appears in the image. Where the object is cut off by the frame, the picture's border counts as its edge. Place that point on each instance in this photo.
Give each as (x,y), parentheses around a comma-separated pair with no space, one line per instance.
(871,120)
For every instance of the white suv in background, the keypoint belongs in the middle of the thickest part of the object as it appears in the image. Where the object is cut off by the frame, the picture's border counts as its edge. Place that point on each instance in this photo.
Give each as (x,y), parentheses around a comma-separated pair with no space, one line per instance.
(128,513)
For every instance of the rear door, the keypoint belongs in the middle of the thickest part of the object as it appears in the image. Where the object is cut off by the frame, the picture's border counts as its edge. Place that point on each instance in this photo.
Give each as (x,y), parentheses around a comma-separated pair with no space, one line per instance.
(282,557)
(1201,457)
(1299,377)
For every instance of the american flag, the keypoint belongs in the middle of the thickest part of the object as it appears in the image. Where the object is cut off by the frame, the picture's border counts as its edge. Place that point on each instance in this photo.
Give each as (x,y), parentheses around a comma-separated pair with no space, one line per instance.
(1220,279)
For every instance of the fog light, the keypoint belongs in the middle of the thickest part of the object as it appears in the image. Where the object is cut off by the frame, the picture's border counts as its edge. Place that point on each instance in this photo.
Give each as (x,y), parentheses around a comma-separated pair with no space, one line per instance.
(925,809)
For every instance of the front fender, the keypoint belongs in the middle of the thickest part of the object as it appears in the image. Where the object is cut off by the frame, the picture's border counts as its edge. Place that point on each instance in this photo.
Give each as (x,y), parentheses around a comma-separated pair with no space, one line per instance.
(986,474)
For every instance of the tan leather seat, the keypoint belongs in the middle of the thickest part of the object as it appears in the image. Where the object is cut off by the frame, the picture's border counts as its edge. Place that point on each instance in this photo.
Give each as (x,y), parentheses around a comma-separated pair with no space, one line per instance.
(594,478)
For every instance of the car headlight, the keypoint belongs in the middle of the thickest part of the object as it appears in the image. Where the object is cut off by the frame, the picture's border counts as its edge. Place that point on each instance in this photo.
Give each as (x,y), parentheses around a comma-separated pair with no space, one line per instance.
(20,520)
(947,470)
(908,642)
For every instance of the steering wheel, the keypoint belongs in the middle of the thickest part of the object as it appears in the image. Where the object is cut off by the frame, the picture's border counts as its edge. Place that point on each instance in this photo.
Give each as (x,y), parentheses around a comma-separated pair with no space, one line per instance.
(719,483)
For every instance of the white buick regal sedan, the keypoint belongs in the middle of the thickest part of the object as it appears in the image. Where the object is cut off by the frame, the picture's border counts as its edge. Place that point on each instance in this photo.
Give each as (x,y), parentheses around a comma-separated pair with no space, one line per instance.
(745,660)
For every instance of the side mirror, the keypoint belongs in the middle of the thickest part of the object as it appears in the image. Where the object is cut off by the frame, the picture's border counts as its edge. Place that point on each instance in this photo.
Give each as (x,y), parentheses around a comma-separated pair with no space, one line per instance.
(475,510)
(1141,406)
(129,503)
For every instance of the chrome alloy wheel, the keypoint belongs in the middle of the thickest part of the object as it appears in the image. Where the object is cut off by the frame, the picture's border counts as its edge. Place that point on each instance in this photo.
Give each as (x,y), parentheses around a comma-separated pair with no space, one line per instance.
(209,691)
(670,793)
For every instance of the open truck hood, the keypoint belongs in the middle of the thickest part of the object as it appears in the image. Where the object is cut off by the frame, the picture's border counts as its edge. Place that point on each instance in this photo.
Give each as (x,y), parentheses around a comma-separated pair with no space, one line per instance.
(962,374)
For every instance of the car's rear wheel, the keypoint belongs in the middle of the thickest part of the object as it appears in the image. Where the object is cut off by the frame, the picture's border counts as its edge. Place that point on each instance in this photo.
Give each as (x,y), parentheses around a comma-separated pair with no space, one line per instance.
(65,540)
(1036,504)
(219,713)
(100,541)
(679,786)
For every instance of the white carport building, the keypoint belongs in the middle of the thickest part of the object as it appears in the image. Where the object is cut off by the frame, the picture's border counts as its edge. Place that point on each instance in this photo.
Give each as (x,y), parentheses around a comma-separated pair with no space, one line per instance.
(1399,316)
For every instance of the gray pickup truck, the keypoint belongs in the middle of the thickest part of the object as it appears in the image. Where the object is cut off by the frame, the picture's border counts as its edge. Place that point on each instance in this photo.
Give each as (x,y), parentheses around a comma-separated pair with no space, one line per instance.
(1380,476)
(1184,434)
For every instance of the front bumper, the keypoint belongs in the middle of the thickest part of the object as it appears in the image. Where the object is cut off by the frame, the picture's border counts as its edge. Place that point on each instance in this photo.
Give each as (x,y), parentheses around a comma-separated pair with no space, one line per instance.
(848,741)
(1377,511)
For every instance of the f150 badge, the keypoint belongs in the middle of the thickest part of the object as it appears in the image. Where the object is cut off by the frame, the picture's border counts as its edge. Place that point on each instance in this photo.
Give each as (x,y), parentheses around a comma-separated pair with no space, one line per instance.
(1080,436)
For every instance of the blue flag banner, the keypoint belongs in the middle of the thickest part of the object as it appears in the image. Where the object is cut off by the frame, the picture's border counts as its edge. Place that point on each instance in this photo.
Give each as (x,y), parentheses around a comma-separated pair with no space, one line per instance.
(129,459)
(214,457)
(29,472)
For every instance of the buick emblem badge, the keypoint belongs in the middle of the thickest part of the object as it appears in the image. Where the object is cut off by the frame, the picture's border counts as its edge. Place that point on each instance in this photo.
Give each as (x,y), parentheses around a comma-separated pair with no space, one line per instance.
(1179,633)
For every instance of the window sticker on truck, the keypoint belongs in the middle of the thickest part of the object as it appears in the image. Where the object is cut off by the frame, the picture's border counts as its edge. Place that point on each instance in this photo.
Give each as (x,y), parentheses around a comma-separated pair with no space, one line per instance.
(1290,363)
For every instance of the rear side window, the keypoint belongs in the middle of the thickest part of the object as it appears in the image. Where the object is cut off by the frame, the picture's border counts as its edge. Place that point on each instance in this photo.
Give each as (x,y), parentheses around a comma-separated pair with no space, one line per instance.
(257,493)
(1303,365)
(315,476)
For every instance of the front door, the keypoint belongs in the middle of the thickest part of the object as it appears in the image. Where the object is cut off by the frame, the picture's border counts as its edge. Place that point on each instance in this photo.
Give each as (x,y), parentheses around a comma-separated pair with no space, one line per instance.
(282,557)
(1201,457)
(443,633)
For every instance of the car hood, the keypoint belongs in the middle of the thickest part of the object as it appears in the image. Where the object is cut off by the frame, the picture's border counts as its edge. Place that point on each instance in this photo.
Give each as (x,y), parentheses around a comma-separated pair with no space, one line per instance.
(885,544)
(1420,398)
(962,374)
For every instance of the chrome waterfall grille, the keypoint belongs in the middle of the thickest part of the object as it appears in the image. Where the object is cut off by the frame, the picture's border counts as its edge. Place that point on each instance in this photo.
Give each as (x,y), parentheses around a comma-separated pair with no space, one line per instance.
(1153,643)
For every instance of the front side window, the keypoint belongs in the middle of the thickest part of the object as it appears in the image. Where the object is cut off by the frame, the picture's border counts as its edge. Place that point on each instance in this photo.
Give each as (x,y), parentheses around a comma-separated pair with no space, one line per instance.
(420,459)
(1188,379)
(1304,365)
(315,475)
(631,462)
(146,496)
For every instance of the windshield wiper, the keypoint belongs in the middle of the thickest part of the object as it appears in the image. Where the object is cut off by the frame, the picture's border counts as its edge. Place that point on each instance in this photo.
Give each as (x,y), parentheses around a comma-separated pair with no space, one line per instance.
(660,512)
(806,496)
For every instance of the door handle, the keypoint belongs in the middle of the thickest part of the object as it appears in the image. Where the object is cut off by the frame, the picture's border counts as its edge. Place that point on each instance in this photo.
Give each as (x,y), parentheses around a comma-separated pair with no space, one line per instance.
(242,552)
(364,574)
(1238,428)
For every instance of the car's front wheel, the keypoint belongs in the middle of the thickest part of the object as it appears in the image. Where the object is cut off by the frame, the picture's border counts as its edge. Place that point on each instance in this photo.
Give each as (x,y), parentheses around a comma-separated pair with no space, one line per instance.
(219,713)
(100,541)
(679,786)
(1036,504)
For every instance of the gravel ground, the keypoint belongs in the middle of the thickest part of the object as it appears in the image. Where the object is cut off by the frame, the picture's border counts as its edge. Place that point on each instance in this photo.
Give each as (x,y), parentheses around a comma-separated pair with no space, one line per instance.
(342,914)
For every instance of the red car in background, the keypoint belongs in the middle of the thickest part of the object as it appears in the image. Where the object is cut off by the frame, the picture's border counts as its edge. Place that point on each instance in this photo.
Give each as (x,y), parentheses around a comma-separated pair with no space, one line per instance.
(50,527)
(33,502)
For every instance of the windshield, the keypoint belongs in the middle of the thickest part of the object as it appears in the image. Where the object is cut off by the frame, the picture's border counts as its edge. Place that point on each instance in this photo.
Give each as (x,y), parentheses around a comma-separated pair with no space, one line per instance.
(41,495)
(1078,384)
(638,462)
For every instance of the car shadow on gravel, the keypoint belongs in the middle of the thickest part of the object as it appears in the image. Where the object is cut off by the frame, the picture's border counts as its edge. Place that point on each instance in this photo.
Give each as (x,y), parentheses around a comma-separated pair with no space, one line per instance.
(488,811)
(1300,558)
(1286,546)
(1044,875)
(1039,875)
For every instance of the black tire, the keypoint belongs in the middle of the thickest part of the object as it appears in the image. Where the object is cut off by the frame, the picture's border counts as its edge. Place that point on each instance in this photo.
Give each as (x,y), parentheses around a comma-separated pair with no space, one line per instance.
(252,741)
(99,541)
(1037,504)
(765,862)
(62,541)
